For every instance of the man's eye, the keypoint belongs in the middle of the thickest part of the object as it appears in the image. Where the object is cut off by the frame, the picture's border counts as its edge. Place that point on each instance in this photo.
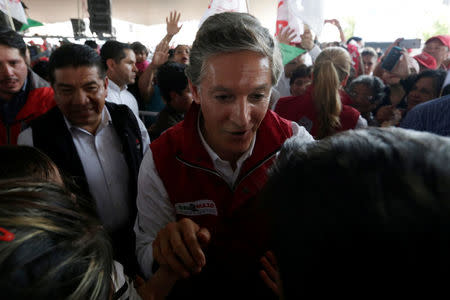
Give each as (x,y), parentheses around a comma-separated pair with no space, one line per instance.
(91,88)
(257,97)
(222,97)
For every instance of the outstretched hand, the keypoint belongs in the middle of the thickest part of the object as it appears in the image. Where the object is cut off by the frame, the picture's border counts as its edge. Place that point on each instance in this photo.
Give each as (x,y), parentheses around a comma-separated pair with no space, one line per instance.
(161,54)
(270,274)
(172,23)
(286,35)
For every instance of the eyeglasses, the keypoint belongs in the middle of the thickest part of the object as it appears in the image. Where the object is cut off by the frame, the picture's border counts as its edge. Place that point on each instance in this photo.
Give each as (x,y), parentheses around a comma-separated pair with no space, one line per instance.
(371,99)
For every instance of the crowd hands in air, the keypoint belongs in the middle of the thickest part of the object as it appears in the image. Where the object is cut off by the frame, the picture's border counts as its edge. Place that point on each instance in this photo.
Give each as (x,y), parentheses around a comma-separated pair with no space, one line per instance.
(248,179)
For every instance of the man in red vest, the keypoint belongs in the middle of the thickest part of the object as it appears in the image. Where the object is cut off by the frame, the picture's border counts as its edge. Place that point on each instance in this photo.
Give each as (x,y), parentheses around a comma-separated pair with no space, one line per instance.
(198,212)
(23,94)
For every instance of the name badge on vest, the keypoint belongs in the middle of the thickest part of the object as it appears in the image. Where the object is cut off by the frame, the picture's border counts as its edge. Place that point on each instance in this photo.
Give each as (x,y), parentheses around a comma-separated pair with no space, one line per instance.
(196,208)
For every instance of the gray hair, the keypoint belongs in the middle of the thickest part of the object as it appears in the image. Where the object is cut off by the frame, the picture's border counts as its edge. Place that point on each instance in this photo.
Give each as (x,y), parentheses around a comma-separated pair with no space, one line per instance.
(231,32)
(374,83)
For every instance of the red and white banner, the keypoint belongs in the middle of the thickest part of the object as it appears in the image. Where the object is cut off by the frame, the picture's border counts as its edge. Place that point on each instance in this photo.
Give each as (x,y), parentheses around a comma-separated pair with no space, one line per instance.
(295,13)
(15,9)
(219,6)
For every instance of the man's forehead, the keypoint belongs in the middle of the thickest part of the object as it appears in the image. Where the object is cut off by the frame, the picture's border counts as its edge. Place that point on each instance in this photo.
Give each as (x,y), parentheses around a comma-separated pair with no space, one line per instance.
(435,41)
(80,73)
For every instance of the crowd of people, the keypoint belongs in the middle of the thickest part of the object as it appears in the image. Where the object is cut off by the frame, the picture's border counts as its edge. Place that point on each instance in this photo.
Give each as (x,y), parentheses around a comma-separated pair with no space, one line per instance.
(213,171)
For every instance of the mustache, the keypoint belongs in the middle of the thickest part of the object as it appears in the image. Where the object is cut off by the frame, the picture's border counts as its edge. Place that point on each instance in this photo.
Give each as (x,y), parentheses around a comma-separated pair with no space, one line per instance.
(9,78)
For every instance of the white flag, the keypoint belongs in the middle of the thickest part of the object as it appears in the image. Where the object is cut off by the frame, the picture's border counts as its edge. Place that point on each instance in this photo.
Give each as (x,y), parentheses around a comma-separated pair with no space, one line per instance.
(219,6)
(15,8)
(295,13)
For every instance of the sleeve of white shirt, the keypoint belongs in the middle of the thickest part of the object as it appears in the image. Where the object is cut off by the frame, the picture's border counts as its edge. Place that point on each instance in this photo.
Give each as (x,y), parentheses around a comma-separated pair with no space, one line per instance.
(155,211)
(314,53)
(362,123)
(26,137)
(301,132)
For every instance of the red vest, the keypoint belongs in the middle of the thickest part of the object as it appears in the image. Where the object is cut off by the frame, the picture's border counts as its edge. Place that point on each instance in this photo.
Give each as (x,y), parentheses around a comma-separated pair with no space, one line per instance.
(232,214)
(39,101)
(302,110)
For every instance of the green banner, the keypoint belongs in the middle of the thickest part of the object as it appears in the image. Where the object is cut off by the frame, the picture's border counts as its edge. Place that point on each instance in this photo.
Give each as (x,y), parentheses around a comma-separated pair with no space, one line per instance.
(31,23)
(290,52)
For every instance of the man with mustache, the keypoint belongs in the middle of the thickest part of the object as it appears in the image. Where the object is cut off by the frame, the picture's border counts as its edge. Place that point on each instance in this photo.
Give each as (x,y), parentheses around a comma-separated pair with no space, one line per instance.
(23,94)
(98,144)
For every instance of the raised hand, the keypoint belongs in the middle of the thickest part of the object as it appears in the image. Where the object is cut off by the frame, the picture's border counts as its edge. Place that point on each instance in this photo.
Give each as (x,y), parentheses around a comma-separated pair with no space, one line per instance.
(172,23)
(286,35)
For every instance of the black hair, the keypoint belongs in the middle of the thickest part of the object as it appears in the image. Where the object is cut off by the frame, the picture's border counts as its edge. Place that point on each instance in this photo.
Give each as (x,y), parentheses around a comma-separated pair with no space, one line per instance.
(363,211)
(12,39)
(74,55)
(171,77)
(138,48)
(113,50)
(91,43)
(354,38)
(374,83)
(24,161)
(41,68)
(299,72)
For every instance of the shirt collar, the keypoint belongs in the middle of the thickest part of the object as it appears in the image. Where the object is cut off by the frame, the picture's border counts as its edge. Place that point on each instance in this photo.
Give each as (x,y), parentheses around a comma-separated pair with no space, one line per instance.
(106,120)
(214,157)
(115,87)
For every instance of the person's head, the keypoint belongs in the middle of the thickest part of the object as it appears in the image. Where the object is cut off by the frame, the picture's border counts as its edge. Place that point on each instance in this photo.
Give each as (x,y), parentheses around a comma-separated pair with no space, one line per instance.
(27,162)
(181,54)
(426,86)
(120,62)
(290,67)
(356,40)
(369,58)
(439,47)
(41,68)
(56,251)
(92,44)
(365,210)
(140,51)
(234,63)
(13,68)
(79,80)
(173,84)
(300,80)
(331,70)
(366,93)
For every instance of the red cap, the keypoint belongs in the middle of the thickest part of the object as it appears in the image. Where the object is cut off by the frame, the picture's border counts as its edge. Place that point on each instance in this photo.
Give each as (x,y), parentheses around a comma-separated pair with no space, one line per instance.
(445,39)
(426,60)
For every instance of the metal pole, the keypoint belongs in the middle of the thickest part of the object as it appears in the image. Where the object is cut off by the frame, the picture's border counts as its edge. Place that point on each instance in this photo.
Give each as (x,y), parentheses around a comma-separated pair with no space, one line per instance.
(248,7)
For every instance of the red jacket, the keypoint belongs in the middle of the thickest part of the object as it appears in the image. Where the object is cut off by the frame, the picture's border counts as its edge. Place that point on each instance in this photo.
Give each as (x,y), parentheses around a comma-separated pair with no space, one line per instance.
(302,110)
(232,214)
(39,101)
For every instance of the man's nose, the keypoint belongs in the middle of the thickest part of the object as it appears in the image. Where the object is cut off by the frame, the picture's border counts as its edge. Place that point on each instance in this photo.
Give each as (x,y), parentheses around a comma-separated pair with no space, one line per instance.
(6,69)
(241,112)
(80,97)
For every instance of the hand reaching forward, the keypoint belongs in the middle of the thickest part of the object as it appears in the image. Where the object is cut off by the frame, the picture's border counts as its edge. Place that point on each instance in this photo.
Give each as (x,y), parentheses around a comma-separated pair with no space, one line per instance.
(172,23)
(161,54)
(180,245)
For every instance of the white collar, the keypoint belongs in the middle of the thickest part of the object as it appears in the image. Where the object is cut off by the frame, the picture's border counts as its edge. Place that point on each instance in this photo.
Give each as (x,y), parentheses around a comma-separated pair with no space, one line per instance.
(115,87)
(105,121)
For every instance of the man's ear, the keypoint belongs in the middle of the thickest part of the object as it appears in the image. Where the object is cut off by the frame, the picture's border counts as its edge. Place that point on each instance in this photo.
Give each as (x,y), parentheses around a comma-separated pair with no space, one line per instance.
(110,63)
(195,91)
(105,84)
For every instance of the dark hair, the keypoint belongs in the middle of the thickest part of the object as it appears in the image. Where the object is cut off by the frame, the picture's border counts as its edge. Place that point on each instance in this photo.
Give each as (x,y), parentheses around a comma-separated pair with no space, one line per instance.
(300,72)
(24,161)
(73,55)
(365,210)
(438,77)
(41,68)
(91,43)
(138,48)
(58,252)
(12,39)
(113,50)
(354,38)
(171,77)
(171,53)
(374,83)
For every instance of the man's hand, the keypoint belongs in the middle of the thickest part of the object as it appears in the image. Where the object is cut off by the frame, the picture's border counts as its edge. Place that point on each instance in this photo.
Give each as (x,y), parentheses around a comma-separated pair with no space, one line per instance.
(172,23)
(286,35)
(270,274)
(179,246)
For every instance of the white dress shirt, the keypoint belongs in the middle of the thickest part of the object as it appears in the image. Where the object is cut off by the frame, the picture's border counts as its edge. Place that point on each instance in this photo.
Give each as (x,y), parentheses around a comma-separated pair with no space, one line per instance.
(155,210)
(104,165)
(119,95)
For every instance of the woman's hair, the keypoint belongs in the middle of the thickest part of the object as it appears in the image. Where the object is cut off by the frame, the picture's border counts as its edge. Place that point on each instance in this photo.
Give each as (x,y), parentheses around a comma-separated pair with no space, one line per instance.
(231,32)
(25,161)
(331,68)
(374,83)
(362,210)
(57,251)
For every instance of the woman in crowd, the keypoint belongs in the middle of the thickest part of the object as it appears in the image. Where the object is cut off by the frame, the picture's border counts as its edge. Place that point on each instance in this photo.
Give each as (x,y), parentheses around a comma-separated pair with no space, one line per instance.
(320,109)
